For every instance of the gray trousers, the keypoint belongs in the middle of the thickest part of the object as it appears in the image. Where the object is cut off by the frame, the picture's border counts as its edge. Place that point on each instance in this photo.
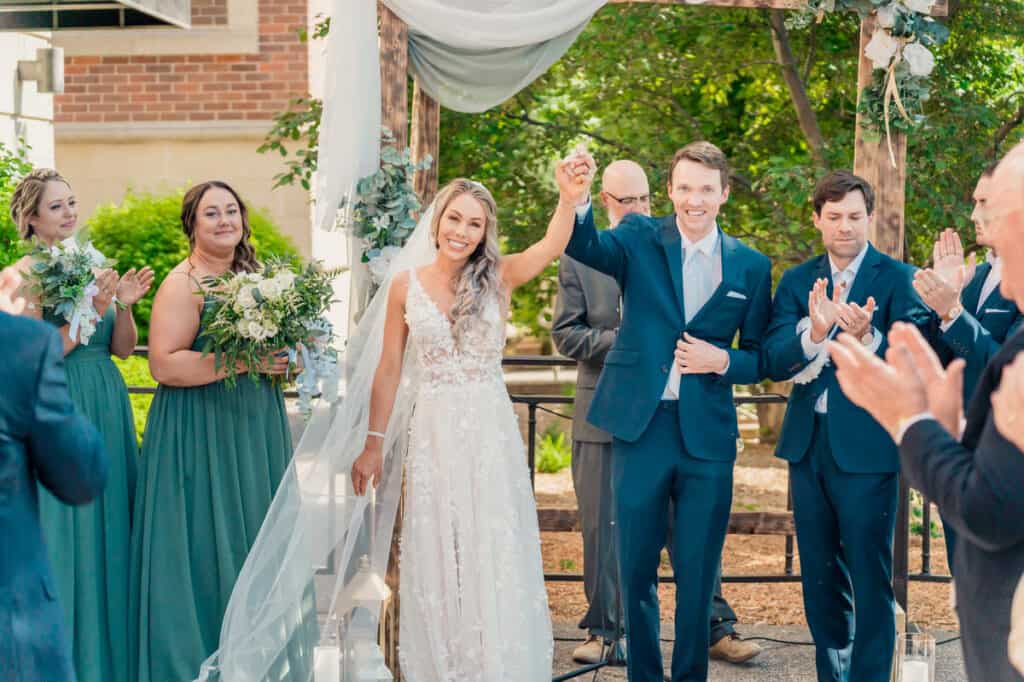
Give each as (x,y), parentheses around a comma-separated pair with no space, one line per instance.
(591,477)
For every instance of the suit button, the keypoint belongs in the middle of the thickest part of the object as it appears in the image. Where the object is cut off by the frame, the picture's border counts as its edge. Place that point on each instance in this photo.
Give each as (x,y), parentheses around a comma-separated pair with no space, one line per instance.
(664,369)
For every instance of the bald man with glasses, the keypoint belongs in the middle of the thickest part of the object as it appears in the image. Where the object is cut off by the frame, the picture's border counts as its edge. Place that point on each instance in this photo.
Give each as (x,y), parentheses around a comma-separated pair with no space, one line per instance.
(587,318)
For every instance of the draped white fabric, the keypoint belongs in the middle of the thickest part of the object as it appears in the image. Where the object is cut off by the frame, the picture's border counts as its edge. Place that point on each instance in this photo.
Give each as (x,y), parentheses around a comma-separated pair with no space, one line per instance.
(468,54)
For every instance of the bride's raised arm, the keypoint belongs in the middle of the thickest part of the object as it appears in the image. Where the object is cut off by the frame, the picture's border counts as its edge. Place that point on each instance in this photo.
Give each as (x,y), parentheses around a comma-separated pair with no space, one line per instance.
(574,176)
(385,386)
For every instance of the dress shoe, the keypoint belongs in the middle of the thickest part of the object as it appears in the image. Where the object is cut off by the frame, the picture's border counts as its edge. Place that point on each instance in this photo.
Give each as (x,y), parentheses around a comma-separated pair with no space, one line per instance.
(591,651)
(733,649)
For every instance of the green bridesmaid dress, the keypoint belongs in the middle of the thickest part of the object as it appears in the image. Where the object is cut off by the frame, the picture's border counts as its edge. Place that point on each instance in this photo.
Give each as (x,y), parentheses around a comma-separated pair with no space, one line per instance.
(89,545)
(212,458)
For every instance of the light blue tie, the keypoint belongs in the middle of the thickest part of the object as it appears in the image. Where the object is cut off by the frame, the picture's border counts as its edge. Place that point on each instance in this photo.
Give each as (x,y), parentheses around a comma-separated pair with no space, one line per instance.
(696,282)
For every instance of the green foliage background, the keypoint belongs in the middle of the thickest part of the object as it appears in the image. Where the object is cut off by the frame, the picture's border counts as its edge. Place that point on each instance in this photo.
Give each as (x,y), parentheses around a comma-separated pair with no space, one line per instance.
(13,166)
(145,229)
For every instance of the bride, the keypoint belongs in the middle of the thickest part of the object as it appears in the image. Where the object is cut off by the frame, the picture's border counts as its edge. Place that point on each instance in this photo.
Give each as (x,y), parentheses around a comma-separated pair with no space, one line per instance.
(425,392)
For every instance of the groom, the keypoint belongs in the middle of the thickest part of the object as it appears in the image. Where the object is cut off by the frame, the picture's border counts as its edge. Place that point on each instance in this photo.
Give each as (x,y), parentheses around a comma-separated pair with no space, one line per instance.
(665,394)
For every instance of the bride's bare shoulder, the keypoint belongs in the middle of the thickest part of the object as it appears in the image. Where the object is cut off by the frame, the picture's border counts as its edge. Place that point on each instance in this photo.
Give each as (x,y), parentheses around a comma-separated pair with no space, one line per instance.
(399,288)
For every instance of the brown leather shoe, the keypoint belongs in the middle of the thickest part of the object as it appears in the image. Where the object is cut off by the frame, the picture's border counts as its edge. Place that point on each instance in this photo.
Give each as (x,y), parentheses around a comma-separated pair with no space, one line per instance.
(590,651)
(733,649)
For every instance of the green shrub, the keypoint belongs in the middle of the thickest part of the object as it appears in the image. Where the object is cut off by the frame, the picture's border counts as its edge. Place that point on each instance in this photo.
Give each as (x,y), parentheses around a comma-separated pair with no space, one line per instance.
(145,229)
(13,166)
(135,371)
(554,452)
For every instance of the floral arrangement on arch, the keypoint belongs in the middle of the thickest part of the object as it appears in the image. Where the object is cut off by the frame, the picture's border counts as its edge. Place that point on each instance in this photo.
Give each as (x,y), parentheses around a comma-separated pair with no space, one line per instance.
(384,207)
(901,52)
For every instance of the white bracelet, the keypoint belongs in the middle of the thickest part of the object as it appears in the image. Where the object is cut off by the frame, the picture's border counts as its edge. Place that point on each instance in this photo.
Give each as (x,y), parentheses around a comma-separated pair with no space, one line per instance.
(375,433)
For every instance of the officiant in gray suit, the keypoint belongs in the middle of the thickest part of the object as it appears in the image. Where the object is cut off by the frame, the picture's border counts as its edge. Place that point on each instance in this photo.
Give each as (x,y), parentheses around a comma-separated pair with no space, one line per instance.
(586,322)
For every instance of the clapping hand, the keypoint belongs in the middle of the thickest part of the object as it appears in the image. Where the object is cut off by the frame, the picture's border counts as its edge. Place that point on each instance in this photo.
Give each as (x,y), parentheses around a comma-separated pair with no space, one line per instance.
(1008,403)
(940,286)
(695,356)
(134,284)
(823,311)
(10,302)
(106,281)
(948,260)
(574,175)
(855,319)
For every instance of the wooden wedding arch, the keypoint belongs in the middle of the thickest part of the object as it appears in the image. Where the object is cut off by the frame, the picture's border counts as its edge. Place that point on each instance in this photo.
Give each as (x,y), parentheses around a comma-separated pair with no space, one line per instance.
(871,161)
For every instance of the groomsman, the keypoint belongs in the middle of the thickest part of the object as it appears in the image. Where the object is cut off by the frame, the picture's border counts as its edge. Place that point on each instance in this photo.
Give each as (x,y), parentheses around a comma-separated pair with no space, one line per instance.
(843,465)
(975,319)
(43,440)
(975,478)
(587,318)
(688,286)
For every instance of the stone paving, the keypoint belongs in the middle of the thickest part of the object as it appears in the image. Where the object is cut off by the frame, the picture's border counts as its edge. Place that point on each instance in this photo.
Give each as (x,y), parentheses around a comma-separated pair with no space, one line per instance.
(778,662)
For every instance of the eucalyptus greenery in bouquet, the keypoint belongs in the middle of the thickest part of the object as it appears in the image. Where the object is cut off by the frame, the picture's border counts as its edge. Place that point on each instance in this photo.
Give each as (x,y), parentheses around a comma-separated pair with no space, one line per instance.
(250,315)
(385,207)
(63,277)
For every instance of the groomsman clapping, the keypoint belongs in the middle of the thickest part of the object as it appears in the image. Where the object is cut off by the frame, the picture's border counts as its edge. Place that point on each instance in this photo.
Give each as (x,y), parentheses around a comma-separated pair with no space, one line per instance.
(975,478)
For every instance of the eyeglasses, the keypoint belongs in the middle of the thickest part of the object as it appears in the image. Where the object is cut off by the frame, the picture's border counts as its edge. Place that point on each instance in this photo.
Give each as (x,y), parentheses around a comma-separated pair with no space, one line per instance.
(629,201)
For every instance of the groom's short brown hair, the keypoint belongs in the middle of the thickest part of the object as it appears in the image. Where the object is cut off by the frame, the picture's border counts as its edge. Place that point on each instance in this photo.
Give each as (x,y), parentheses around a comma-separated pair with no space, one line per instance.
(705,154)
(837,184)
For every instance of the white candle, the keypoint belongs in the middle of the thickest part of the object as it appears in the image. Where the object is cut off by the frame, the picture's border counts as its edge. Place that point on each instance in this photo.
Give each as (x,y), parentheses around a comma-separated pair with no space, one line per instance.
(915,671)
(326,664)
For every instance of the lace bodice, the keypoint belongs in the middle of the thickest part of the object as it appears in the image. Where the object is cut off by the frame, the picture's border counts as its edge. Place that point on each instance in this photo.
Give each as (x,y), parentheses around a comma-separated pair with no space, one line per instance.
(443,360)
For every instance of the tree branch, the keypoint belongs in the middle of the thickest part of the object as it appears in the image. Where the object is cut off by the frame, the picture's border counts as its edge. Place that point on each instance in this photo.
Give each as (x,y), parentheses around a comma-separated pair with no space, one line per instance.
(804,112)
(1007,128)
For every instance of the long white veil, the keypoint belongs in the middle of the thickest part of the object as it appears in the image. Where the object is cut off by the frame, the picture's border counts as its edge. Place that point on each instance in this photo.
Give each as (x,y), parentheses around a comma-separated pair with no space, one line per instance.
(318,534)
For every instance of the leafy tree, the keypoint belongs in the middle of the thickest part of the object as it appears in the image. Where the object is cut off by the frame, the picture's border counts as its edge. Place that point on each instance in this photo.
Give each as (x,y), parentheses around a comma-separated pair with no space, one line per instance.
(642,80)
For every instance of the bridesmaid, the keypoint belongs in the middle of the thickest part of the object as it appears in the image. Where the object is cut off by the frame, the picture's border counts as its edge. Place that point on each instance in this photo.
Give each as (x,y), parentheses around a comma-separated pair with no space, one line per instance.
(89,545)
(211,460)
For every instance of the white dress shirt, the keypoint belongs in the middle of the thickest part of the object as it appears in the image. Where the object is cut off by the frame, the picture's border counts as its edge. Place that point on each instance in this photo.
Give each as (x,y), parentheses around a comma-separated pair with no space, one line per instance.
(702,274)
(840,277)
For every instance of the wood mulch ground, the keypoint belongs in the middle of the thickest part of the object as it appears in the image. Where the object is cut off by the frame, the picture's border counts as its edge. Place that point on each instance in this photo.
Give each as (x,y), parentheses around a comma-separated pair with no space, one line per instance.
(760,485)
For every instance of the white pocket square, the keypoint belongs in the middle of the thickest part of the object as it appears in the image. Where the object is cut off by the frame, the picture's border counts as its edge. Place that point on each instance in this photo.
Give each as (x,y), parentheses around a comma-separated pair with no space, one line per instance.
(736,294)
(995,310)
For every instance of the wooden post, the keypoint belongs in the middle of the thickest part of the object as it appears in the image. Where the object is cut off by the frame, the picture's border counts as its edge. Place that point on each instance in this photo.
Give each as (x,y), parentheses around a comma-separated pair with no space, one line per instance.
(426,124)
(394,103)
(872,162)
(394,68)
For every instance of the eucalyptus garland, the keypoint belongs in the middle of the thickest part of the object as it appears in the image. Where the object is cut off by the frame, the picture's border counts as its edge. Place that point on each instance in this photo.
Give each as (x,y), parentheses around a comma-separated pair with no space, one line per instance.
(384,208)
(901,52)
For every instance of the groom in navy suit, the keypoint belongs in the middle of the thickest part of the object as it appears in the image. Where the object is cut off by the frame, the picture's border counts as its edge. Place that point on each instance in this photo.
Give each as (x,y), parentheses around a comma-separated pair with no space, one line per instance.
(42,439)
(842,465)
(665,395)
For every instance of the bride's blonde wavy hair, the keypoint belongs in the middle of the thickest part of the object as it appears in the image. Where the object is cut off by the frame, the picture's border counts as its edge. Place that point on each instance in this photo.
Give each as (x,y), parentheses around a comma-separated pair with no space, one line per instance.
(479,278)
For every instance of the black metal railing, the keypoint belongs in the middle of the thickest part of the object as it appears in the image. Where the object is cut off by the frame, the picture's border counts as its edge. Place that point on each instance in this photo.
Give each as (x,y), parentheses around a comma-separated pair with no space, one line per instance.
(535,403)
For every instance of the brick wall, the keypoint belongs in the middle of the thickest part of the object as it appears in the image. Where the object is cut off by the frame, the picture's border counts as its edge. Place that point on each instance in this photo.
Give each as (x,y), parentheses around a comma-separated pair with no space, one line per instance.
(107,89)
(209,12)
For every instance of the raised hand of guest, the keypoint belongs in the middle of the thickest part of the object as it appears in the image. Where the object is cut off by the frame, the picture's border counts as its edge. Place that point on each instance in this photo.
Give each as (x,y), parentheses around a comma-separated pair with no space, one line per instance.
(948,260)
(134,284)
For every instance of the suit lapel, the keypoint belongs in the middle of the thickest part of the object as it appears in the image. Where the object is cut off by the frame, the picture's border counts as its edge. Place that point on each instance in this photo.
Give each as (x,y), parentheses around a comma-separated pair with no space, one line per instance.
(972,292)
(672,244)
(865,276)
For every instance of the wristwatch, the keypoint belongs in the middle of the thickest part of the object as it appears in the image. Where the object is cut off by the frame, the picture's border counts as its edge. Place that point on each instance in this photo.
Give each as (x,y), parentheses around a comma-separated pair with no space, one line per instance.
(953,313)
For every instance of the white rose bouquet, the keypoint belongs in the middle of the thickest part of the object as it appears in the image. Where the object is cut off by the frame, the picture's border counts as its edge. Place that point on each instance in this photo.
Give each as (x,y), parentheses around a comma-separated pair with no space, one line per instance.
(250,315)
(63,276)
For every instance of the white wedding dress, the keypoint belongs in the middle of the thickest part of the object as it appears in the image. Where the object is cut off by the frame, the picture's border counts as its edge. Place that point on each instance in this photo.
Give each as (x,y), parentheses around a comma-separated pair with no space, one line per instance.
(474,606)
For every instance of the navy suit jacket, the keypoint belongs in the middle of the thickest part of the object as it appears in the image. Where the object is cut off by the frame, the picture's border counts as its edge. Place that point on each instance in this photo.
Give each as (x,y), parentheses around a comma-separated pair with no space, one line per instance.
(42,439)
(979,487)
(645,257)
(858,443)
(977,336)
